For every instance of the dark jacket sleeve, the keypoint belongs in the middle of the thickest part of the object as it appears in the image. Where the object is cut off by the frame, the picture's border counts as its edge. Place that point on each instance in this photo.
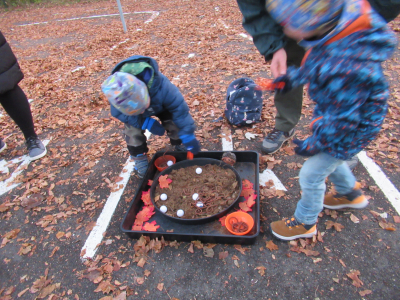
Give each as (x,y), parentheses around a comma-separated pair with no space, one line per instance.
(267,35)
(173,101)
(135,121)
(10,72)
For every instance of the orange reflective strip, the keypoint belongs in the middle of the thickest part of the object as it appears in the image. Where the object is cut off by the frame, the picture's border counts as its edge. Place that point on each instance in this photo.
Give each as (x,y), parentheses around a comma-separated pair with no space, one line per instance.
(363,22)
(305,56)
(315,120)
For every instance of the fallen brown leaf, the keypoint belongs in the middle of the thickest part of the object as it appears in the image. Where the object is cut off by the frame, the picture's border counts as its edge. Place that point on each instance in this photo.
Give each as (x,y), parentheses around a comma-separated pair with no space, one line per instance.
(261,270)
(223,254)
(271,246)
(354,276)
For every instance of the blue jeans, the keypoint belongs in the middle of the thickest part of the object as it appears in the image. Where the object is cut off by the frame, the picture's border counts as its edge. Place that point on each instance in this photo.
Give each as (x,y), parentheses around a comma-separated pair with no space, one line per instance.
(312,183)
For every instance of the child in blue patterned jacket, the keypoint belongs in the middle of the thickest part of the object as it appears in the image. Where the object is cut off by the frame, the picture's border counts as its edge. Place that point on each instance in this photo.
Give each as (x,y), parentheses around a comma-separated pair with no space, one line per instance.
(137,90)
(347,41)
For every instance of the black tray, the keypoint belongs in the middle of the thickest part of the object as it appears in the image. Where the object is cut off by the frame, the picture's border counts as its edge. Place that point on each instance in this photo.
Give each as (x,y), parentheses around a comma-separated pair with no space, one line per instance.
(212,232)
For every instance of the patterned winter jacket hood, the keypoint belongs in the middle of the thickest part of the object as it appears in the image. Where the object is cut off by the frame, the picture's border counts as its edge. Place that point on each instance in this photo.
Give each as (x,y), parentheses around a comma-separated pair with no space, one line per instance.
(164,96)
(346,82)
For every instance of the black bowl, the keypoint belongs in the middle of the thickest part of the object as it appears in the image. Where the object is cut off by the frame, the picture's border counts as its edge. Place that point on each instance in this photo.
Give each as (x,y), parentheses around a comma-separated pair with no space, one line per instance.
(195,162)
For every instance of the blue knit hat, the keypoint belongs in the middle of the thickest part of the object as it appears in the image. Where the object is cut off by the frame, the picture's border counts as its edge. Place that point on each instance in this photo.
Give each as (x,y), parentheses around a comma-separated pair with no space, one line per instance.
(305,15)
(126,93)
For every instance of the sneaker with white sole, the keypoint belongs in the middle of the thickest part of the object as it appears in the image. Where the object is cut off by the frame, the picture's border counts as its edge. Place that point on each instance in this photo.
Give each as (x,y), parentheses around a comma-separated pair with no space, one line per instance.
(290,229)
(35,148)
(275,139)
(354,199)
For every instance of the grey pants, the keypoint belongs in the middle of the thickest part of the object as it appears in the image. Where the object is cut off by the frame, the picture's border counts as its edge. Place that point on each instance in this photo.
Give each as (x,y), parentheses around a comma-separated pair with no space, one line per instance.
(289,105)
(137,142)
(135,136)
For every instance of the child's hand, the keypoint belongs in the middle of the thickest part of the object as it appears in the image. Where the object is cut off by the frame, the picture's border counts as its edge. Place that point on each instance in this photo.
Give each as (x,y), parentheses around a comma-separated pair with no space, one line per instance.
(191,143)
(300,148)
(282,84)
(153,126)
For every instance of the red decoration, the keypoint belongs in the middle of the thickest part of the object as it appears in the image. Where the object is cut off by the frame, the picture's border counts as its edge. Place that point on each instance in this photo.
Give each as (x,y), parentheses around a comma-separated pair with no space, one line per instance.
(243,206)
(246,184)
(164,181)
(251,200)
(150,226)
(246,193)
(144,215)
(222,220)
(146,198)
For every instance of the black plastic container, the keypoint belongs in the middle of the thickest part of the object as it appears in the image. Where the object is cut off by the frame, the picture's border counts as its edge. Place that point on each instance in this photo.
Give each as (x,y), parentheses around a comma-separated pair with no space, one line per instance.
(211,232)
(196,162)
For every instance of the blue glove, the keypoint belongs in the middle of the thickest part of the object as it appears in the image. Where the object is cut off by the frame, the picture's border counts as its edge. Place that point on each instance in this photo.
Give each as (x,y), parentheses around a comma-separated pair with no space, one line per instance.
(282,84)
(191,143)
(153,126)
(300,149)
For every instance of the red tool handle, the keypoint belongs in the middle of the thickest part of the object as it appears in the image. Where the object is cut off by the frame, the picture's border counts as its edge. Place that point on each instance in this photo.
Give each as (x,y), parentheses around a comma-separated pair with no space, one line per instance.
(266,84)
(189,155)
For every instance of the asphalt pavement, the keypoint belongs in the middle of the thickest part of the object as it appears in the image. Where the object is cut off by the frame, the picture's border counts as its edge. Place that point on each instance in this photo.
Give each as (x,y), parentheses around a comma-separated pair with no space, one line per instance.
(60,225)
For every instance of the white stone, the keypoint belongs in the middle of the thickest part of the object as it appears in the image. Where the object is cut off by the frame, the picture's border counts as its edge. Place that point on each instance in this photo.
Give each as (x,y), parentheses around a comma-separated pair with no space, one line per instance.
(199,170)
(195,196)
(163,209)
(180,213)
(199,204)
(163,197)
(170,163)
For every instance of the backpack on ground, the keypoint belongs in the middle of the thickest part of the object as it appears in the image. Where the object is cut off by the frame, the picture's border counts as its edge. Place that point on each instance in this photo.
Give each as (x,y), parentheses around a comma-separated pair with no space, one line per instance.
(243,102)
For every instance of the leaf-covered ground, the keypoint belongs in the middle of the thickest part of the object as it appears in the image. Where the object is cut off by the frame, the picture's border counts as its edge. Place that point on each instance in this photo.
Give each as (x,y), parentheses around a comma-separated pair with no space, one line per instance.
(199,45)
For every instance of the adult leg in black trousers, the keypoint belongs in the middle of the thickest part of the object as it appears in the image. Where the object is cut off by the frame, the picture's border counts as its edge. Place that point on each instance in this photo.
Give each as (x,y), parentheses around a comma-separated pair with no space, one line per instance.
(16,104)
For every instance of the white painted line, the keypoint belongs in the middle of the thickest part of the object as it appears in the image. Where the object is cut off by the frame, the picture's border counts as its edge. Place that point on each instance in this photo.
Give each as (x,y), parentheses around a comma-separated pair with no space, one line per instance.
(154,14)
(223,24)
(246,36)
(120,43)
(268,175)
(227,144)
(77,69)
(24,160)
(381,180)
(96,235)
(147,134)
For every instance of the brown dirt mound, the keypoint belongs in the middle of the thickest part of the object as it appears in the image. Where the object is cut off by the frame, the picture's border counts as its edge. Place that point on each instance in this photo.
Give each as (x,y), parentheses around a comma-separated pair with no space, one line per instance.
(217,189)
